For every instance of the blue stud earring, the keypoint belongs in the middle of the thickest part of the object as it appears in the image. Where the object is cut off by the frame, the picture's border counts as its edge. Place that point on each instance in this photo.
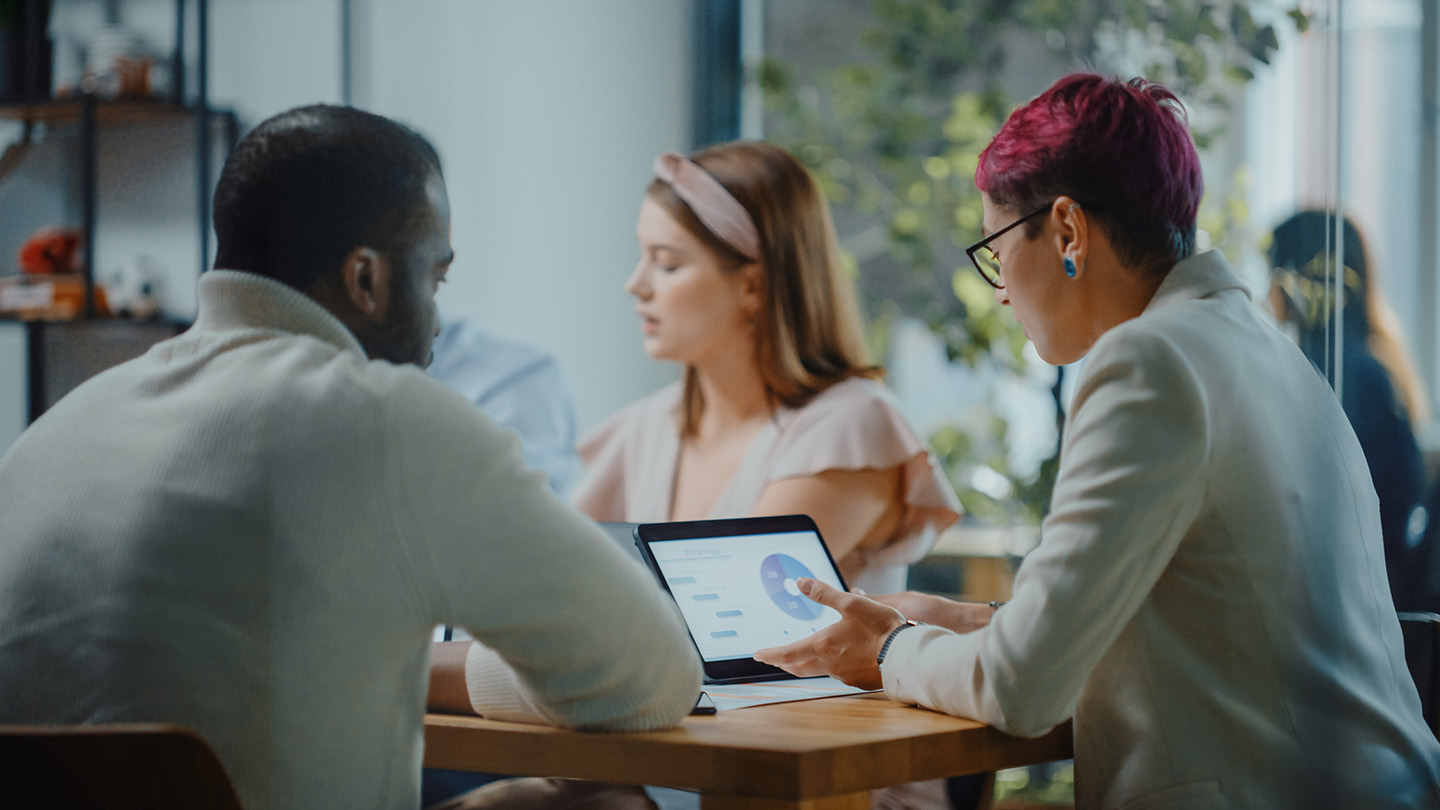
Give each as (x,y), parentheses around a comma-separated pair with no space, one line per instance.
(1069,267)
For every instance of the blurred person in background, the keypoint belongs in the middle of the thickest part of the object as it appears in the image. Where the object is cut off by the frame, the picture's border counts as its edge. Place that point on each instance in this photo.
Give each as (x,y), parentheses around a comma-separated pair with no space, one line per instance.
(518,386)
(1380,391)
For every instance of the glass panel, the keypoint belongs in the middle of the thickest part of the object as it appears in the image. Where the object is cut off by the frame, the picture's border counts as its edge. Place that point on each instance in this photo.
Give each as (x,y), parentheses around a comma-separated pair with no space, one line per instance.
(1387,93)
(1316,122)
(889,104)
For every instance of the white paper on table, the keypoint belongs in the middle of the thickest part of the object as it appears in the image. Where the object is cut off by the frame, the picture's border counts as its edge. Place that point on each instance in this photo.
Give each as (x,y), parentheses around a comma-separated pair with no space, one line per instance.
(739,695)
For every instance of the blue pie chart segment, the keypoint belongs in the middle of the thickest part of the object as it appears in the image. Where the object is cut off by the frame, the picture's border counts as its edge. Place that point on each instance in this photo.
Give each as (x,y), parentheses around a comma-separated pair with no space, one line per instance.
(778,573)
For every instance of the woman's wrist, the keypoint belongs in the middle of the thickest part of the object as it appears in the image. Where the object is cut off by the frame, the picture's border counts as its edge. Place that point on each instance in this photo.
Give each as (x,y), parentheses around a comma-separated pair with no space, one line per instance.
(890,639)
(967,617)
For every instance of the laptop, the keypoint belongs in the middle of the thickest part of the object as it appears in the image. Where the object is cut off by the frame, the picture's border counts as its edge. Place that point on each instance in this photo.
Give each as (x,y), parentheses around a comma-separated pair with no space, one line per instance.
(734,581)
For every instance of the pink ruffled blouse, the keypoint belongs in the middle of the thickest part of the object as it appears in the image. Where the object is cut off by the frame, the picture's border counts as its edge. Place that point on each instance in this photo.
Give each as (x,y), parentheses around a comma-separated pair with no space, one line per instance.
(852,425)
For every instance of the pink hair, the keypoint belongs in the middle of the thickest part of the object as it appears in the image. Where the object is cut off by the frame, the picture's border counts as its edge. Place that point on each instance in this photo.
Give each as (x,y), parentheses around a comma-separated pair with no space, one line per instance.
(1122,149)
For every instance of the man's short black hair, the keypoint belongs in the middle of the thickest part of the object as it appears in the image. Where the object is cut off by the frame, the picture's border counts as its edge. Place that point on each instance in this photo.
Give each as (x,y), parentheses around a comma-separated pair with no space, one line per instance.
(309,185)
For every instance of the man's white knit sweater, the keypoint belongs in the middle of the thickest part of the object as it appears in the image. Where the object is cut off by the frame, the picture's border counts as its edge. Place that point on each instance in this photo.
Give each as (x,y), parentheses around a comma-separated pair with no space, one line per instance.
(252,530)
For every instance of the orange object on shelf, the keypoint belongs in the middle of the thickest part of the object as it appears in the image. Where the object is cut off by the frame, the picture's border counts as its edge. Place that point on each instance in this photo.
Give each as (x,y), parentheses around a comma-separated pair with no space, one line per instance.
(56,297)
(51,250)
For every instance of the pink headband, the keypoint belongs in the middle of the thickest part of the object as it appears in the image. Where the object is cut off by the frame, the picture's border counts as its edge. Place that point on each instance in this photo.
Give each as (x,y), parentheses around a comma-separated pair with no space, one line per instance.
(716,208)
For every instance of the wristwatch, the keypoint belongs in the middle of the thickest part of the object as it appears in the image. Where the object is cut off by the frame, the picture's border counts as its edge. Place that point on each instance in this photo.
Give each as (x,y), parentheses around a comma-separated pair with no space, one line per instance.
(884,648)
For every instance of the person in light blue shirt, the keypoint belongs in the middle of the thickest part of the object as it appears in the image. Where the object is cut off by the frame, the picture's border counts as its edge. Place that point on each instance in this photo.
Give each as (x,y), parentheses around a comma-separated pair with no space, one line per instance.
(519,387)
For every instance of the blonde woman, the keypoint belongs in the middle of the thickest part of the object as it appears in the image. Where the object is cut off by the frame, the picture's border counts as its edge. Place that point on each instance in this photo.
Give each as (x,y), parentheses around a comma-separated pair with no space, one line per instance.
(779,410)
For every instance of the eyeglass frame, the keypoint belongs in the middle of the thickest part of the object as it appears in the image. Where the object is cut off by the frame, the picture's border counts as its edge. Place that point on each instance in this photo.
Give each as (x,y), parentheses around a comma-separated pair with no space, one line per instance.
(985,243)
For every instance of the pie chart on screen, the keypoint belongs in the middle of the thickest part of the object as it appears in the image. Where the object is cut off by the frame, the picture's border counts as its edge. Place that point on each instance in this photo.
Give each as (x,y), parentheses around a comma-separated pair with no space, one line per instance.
(778,573)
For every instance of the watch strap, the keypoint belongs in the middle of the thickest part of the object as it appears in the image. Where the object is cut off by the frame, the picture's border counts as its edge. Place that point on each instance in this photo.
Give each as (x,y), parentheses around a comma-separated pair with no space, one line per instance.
(890,639)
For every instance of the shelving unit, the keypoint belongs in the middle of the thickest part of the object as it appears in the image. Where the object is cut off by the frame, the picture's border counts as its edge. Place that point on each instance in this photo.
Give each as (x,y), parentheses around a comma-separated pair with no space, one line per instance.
(90,344)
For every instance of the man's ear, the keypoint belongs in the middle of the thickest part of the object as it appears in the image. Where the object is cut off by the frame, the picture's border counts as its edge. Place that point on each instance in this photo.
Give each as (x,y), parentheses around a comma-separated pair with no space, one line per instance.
(365,277)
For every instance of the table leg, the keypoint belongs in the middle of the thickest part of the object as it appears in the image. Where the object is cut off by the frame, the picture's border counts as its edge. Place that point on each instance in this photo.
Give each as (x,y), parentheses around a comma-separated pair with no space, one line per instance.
(849,801)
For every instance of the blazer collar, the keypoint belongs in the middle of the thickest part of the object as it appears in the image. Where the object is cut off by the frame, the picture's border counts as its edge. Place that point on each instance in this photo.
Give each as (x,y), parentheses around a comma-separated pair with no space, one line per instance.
(1201,275)
(230,299)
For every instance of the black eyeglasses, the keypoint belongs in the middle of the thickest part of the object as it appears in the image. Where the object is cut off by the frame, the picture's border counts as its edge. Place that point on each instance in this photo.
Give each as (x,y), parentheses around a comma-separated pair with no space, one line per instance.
(985,259)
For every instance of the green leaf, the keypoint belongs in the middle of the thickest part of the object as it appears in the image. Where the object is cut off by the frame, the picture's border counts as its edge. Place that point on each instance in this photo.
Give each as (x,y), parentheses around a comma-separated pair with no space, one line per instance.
(774,77)
(972,292)
(1265,44)
(906,221)
(1242,24)
(1238,73)
(937,168)
(1300,18)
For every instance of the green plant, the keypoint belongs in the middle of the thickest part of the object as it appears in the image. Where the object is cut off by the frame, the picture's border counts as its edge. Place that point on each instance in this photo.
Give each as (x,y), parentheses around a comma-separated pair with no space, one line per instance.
(893,142)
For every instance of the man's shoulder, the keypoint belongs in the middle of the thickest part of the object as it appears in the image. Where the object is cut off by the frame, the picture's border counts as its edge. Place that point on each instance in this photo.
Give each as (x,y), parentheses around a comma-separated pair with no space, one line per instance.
(299,372)
(293,378)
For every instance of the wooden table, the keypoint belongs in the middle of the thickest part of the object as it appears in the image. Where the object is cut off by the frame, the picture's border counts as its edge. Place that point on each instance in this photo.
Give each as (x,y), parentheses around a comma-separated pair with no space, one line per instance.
(819,754)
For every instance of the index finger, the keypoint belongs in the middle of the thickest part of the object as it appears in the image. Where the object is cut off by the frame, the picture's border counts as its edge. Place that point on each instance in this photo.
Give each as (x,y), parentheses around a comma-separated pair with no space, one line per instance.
(821,593)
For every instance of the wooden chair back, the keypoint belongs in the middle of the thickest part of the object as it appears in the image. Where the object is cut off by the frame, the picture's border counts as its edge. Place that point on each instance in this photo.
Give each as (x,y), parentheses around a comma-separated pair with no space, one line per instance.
(133,766)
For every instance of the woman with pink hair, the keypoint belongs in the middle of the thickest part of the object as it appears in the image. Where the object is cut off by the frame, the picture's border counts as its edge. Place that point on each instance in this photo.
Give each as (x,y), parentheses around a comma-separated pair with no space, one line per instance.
(1208,600)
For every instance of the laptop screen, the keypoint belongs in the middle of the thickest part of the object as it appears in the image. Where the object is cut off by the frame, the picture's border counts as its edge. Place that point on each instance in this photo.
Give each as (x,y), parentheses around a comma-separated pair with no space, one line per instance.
(735,584)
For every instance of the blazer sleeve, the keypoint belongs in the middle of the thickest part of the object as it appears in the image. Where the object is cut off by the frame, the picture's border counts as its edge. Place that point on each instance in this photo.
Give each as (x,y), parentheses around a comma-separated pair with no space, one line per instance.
(1131,483)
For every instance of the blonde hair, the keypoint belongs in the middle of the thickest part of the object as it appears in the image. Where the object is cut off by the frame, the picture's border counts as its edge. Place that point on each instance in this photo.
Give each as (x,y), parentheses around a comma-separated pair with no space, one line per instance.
(808,333)
(1388,347)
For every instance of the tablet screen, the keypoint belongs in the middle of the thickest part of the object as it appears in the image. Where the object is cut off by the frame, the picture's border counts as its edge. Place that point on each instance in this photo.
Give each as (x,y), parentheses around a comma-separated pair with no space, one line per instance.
(735,585)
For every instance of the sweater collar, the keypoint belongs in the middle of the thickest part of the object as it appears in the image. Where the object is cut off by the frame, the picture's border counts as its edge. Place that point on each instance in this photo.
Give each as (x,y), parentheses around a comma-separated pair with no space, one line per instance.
(230,299)
(1201,275)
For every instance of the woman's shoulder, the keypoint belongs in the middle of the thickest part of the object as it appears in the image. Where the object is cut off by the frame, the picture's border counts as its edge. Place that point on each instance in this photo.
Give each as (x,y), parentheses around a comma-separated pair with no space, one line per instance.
(854,398)
(857,419)
(661,401)
(642,415)
(850,392)
(857,424)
